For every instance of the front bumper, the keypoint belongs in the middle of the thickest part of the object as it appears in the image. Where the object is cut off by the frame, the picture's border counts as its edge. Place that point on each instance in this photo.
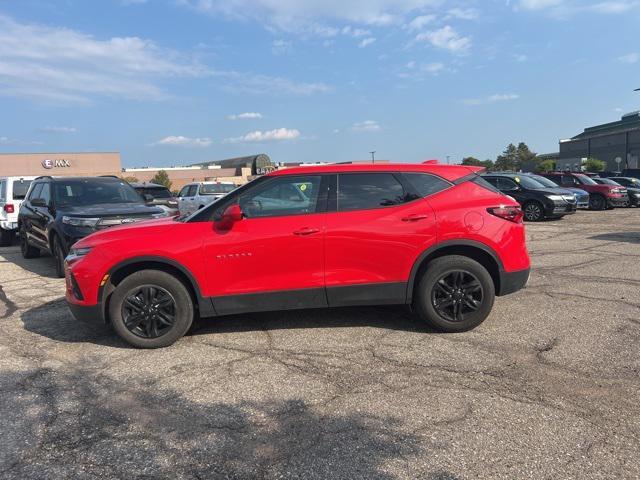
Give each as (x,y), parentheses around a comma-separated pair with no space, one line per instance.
(618,201)
(511,282)
(559,210)
(91,314)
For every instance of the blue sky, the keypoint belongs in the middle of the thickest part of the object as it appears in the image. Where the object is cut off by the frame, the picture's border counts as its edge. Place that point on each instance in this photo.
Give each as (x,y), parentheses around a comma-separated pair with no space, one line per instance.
(170,82)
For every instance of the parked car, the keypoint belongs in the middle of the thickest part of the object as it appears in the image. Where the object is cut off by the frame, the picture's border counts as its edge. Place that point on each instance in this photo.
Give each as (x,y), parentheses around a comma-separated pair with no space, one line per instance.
(195,196)
(12,193)
(158,196)
(631,198)
(538,202)
(437,237)
(633,188)
(59,211)
(601,197)
(582,196)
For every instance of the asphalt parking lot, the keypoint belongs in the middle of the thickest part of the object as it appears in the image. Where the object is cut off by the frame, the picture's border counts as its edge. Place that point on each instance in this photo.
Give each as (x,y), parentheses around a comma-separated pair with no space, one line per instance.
(547,387)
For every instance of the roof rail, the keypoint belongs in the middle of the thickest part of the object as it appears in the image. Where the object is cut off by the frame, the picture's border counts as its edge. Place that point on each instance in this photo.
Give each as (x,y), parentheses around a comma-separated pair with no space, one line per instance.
(109,176)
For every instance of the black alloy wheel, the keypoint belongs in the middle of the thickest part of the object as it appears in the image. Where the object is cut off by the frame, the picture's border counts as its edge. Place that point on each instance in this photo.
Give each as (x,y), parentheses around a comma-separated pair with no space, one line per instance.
(533,212)
(597,202)
(456,294)
(149,311)
(59,256)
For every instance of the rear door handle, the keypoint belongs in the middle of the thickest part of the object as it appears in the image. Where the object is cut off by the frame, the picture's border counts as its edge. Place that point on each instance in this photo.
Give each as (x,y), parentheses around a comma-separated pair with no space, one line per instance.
(306,231)
(415,218)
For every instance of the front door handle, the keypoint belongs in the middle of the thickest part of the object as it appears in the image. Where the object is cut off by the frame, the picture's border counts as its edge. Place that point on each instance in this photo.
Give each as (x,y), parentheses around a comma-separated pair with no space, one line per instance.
(306,231)
(415,218)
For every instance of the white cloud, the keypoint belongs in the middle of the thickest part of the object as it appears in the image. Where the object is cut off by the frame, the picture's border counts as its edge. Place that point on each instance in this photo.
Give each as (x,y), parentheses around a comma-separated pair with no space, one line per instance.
(420,22)
(355,32)
(504,97)
(539,4)
(180,141)
(564,8)
(296,15)
(15,141)
(263,84)
(463,14)
(366,42)
(278,134)
(366,126)
(50,129)
(520,58)
(446,38)
(245,116)
(630,58)
(281,47)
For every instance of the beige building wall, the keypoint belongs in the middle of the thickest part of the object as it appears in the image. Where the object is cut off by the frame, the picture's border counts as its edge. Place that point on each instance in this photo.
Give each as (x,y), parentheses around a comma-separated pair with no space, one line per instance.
(60,164)
(180,177)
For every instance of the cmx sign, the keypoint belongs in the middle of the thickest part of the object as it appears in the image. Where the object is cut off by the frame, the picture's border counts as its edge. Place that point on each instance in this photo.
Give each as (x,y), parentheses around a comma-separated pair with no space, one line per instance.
(49,164)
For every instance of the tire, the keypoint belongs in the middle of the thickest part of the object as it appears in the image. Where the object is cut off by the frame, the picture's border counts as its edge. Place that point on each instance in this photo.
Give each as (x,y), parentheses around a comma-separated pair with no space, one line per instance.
(133,316)
(533,211)
(28,251)
(59,255)
(6,237)
(457,316)
(597,202)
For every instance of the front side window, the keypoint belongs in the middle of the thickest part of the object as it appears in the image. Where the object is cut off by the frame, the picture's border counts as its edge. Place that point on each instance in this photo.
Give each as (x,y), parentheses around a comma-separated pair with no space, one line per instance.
(45,193)
(184,191)
(20,188)
(91,192)
(365,191)
(35,193)
(426,184)
(193,189)
(286,195)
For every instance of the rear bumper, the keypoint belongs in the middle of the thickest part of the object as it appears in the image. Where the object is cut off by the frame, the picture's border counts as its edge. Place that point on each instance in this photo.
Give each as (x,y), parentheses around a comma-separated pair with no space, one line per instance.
(511,282)
(87,313)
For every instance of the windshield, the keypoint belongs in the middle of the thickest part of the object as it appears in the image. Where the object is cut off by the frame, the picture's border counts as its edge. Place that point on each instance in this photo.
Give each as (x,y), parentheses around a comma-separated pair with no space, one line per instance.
(87,192)
(213,188)
(544,181)
(155,192)
(585,180)
(528,182)
(606,181)
(20,188)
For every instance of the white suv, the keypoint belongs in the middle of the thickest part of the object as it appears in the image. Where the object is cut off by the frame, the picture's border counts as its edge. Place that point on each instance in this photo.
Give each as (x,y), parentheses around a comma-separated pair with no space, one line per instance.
(12,193)
(195,196)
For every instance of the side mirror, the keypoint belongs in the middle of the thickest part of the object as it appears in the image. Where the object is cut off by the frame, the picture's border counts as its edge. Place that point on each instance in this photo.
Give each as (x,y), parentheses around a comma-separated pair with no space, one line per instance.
(148,198)
(232,214)
(38,202)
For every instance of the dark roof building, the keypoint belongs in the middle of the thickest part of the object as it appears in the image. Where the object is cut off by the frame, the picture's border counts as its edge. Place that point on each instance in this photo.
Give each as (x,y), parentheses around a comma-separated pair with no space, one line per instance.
(259,164)
(616,143)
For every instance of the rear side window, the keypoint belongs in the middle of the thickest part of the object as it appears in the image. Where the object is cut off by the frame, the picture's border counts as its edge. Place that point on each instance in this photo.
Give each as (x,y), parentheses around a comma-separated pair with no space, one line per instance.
(365,191)
(3,191)
(488,182)
(426,184)
(20,188)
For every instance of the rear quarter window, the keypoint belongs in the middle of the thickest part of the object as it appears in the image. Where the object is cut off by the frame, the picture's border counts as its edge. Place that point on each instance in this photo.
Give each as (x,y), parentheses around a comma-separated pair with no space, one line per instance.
(3,190)
(426,184)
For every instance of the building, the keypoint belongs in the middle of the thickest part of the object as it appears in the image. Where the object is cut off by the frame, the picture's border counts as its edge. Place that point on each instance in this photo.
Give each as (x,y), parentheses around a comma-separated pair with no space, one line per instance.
(616,143)
(60,164)
(259,164)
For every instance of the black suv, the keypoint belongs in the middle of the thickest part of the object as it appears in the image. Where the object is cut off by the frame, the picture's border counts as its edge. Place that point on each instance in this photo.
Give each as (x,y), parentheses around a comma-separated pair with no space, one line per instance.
(538,201)
(158,196)
(59,211)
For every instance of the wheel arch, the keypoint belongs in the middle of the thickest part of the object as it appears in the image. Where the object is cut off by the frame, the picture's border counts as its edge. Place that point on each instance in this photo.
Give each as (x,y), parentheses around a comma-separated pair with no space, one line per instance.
(477,251)
(123,269)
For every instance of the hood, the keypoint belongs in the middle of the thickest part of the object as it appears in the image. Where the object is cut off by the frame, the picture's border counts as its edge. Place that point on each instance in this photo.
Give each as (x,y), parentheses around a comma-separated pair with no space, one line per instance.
(160,226)
(579,191)
(556,191)
(110,210)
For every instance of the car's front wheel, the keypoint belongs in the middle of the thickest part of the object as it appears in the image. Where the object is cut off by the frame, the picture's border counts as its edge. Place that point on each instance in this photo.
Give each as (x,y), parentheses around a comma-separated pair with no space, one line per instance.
(533,211)
(597,202)
(28,251)
(455,294)
(151,309)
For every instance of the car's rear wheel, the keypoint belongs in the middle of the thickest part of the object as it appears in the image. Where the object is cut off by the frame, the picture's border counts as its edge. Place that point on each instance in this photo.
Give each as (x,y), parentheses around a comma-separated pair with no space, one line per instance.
(151,309)
(6,237)
(597,202)
(533,211)
(455,294)
(28,251)
(59,256)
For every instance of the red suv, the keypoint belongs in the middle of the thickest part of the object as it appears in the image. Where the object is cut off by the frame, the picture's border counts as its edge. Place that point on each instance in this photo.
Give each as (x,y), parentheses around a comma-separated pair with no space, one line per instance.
(601,197)
(436,237)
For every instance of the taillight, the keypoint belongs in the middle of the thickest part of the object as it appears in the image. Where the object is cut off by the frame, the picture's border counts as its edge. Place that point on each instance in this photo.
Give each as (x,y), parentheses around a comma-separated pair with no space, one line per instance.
(9,208)
(512,213)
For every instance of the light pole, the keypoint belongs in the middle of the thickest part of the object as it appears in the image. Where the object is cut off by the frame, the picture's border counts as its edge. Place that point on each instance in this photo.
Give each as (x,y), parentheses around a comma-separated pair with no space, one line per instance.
(373,156)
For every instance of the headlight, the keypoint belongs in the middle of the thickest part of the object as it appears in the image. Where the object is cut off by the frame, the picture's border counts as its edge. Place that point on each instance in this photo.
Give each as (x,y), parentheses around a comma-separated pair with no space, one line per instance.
(555,198)
(79,252)
(80,221)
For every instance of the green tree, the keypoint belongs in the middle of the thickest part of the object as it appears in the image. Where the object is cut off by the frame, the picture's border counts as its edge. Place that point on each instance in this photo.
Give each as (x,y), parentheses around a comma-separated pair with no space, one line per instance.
(526,159)
(545,166)
(130,179)
(162,178)
(594,165)
(508,160)
(472,161)
(488,164)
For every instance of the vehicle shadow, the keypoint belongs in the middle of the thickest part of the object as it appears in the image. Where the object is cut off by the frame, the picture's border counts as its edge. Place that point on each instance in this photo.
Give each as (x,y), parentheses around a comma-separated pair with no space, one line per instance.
(98,426)
(621,237)
(54,321)
(43,265)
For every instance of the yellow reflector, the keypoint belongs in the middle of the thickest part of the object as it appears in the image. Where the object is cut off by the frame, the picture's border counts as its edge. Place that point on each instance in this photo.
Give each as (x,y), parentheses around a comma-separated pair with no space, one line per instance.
(103,282)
